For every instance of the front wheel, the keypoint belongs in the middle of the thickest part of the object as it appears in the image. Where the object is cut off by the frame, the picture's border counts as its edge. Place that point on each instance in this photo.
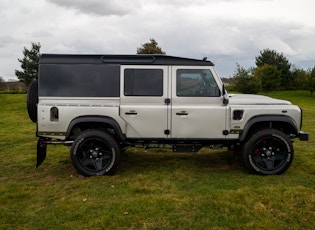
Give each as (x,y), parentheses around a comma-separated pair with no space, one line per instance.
(268,152)
(95,153)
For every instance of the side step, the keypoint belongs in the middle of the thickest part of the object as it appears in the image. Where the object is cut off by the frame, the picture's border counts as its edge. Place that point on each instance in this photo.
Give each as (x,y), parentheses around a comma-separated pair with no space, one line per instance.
(187,148)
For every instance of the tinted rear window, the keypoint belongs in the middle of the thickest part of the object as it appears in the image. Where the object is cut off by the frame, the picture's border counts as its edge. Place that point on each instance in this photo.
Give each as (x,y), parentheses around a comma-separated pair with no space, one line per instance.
(79,80)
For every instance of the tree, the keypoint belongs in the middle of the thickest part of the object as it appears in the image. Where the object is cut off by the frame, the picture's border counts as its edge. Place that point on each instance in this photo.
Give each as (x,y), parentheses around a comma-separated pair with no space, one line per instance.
(245,81)
(269,76)
(311,81)
(1,83)
(150,48)
(29,64)
(273,58)
(301,78)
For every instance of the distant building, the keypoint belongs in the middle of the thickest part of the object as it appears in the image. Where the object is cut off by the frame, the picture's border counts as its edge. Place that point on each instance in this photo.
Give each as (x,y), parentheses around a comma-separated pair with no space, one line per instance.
(12,86)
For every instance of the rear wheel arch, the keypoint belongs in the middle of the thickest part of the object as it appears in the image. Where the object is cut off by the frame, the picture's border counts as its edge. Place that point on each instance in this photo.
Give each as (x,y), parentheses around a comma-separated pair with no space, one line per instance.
(104,123)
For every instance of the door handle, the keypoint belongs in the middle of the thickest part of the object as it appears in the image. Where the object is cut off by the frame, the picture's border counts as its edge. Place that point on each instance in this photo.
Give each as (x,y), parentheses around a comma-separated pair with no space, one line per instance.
(131,113)
(182,113)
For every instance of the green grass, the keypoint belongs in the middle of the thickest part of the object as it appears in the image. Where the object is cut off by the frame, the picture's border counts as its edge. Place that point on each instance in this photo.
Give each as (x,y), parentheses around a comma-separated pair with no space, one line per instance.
(152,189)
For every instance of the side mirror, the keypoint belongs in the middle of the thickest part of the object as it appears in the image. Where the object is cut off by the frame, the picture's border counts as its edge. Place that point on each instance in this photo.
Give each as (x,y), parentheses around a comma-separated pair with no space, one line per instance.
(225,96)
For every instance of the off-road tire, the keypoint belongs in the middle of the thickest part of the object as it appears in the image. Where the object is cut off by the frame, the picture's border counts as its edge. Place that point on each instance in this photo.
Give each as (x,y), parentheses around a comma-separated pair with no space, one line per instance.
(268,152)
(32,100)
(95,153)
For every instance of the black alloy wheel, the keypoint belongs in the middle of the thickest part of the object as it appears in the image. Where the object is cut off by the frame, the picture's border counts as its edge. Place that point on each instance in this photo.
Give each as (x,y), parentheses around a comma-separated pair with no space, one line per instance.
(95,153)
(268,152)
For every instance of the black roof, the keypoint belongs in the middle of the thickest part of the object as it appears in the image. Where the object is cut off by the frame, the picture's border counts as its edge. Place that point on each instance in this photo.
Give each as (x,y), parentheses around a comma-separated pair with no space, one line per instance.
(140,59)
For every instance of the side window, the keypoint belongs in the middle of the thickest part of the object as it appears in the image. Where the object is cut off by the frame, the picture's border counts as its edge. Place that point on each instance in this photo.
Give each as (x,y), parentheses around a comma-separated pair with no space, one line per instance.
(196,83)
(81,80)
(143,82)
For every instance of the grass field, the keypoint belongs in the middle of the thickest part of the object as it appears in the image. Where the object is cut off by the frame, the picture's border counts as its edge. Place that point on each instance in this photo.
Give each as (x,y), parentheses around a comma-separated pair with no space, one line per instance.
(152,189)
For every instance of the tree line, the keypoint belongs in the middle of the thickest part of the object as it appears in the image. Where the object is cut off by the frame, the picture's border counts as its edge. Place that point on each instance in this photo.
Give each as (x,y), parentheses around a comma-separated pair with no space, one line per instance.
(273,71)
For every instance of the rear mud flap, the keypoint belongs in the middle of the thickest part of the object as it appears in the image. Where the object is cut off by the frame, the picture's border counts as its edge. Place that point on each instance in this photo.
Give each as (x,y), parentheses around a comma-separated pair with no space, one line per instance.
(41,151)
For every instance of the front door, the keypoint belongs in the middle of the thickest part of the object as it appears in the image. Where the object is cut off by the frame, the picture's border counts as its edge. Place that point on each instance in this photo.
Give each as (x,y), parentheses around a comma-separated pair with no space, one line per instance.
(144,101)
(197,109)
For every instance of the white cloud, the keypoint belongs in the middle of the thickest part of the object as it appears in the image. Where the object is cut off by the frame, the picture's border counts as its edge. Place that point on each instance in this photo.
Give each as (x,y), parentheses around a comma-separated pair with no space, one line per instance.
(101,8)
(227,31)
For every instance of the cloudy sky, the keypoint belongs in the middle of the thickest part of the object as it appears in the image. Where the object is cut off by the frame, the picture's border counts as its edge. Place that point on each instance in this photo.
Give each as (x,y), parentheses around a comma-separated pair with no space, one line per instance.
(225,31)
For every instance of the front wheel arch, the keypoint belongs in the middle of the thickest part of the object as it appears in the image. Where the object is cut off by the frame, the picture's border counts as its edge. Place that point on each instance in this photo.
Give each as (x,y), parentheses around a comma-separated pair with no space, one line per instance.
(268,121)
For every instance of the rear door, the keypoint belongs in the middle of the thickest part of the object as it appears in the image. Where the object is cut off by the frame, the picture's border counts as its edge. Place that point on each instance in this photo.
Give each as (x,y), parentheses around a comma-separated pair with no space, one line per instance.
(144,104)
(197,108)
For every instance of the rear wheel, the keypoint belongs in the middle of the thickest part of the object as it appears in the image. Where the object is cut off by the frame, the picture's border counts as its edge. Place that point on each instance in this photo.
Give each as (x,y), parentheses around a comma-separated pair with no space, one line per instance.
(95,153)
(268,152)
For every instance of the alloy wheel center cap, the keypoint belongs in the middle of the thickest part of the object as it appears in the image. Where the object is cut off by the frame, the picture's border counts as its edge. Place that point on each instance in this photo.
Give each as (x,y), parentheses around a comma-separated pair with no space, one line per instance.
(268,153)
(95,154)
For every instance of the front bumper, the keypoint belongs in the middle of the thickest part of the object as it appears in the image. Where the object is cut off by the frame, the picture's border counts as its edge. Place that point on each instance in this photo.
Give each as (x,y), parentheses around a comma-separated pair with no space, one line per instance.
(303,136)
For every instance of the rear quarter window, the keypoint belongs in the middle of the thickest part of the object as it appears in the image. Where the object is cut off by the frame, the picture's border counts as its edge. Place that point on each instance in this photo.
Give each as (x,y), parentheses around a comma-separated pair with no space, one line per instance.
(79,80)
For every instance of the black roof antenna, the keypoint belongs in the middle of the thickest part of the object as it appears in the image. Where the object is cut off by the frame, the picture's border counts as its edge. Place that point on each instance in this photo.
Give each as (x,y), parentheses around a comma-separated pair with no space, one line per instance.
(204,59)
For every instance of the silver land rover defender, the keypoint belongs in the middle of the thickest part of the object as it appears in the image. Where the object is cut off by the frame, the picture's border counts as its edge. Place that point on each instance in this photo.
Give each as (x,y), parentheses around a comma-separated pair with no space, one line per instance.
(100,104)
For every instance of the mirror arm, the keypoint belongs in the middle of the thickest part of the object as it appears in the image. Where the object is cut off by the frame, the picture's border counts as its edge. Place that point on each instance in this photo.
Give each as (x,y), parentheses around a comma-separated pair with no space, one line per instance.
(225,96)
